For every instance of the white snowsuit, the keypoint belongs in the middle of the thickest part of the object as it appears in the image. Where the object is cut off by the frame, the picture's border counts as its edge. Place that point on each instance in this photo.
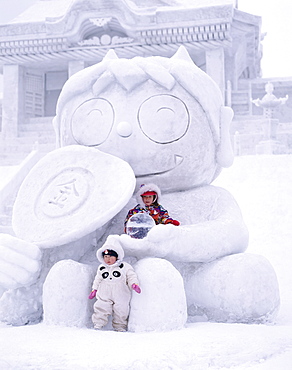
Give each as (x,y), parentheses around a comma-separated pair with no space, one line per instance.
(113,284)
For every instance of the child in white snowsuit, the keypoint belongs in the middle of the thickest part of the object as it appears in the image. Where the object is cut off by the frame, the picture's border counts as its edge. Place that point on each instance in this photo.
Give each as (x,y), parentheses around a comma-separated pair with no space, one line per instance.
(112,286)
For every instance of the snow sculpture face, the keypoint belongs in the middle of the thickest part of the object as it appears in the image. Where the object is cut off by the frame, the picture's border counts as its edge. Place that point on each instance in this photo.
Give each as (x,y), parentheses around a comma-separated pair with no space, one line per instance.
(162,116)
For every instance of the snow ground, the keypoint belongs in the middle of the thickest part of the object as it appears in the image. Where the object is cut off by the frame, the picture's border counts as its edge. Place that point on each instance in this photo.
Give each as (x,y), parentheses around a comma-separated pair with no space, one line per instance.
(262,187)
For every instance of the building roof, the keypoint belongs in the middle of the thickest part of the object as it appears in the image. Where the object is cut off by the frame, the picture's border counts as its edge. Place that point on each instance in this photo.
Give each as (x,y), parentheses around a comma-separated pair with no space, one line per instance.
(44,9)
(56,31)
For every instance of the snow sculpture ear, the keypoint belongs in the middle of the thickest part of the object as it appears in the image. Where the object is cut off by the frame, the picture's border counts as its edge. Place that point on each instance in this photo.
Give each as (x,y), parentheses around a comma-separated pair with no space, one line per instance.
(225,154)
(110,55)
(182,54)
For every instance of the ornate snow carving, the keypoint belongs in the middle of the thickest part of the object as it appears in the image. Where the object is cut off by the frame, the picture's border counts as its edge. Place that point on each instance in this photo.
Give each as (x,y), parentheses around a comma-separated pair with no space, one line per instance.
(106,40)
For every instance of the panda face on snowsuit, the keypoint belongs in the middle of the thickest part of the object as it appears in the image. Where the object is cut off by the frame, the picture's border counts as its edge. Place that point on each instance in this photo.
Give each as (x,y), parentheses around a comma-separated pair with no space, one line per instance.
(111,275)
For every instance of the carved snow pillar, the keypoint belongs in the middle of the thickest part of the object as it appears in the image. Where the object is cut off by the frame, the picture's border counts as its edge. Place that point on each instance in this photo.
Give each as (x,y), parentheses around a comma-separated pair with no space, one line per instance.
(215,67)
(13,112)
(75,66)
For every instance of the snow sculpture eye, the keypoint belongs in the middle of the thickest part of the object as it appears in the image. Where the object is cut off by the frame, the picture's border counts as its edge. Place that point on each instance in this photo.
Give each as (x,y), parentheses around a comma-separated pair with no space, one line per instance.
(163,118)
(92,121)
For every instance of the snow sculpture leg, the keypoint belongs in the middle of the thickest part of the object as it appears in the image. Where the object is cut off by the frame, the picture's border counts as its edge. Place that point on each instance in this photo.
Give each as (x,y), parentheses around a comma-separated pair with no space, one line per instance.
(65,294)
(162,303)
(238,288)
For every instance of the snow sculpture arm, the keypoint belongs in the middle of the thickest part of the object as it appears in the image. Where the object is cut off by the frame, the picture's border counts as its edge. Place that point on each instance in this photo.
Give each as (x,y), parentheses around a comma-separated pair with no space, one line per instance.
(214,228)
(20,262)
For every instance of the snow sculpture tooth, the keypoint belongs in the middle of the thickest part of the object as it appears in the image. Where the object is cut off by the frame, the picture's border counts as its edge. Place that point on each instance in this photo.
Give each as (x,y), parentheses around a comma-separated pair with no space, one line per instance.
(111,54)
(182,54)
(178,159)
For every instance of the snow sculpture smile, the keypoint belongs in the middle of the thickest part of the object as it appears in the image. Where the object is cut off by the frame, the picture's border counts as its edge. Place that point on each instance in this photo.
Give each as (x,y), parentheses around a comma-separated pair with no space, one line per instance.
(171,162)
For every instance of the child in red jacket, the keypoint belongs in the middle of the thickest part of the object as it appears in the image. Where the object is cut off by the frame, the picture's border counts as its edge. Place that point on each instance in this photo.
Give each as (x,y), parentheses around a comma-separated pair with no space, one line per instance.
(148,202)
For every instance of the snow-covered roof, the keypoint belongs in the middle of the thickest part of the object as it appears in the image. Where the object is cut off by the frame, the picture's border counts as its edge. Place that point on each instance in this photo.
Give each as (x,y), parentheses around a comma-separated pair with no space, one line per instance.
(44,9)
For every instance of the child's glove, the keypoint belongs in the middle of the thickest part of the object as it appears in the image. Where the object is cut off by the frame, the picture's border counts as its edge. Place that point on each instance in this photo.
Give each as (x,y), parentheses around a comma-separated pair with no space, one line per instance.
(92,294)
(136,288)
(174,222)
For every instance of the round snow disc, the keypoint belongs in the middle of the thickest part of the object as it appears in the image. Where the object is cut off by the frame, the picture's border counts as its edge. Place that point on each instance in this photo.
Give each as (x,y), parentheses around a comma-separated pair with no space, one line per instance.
(69,193)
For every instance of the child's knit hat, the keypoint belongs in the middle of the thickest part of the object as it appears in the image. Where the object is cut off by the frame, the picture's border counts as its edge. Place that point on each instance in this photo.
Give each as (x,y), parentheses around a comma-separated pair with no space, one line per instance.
(148,189)
(110,252)
(111,245)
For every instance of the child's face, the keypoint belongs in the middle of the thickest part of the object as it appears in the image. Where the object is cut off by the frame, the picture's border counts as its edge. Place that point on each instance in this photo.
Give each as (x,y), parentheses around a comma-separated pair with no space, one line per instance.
(148,199)
(109,260)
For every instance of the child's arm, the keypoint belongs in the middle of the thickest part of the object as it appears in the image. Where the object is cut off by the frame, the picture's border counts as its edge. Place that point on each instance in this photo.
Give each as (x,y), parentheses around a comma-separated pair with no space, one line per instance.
(132,279)
(130,213)
(96,283)
(165,218)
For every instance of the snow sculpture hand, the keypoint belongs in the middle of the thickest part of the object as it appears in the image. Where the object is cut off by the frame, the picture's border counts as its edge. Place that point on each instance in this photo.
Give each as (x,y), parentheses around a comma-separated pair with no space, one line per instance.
(92,294)
(148,247)
(20,262)
(136,288)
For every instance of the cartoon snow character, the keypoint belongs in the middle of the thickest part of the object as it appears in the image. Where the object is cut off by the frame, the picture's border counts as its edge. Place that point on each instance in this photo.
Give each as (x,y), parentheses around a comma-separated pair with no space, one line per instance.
(148,202)
(166,119)
(112,286)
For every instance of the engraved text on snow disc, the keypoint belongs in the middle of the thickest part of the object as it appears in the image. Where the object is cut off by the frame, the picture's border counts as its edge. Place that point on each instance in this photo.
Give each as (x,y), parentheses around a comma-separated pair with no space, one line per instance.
(64,194)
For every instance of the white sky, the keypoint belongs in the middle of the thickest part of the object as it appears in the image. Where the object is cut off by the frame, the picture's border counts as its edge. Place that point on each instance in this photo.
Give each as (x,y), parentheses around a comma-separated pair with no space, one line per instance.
(277,60)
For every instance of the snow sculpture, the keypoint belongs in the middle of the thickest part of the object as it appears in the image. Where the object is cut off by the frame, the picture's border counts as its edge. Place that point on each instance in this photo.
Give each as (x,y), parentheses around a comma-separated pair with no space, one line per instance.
(162,304)
(166,118)
(65,294)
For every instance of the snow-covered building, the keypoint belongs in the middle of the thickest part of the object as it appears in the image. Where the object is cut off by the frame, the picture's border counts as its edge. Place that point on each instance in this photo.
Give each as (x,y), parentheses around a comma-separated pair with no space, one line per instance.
(42,47)
(53,39)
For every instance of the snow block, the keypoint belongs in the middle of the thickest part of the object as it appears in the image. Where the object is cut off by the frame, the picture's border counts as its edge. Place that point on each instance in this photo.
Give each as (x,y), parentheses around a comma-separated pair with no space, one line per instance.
(66,195)
(65,294)
(161,305)
(238,288)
